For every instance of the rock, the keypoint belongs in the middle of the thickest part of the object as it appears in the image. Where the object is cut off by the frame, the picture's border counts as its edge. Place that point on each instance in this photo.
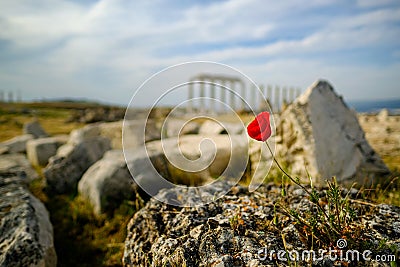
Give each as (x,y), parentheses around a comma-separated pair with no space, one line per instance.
(188,160)
(134,130)
(26,234)
(16,144)
(318,132)
(34,128)
(211,127)
(175,127)
(88,131)
(110,130)
(137,132)
(260,162)
(113,131)
(234,230)
(66,168)
(107,182)
(3,150)
(91,115)
(194,159)
(19,165)
(146,166)
(40,150)
(155,113)
(384,224)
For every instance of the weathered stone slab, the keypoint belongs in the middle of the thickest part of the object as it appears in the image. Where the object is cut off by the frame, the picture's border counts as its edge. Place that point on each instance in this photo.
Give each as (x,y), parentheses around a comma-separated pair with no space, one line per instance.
(136,133)
(197,158)
(40,150)
(318,132)
(19,165)
(34,128)
(107,182)
(26,234)
(16,144)
(174,127)
(211,127)
(66,168)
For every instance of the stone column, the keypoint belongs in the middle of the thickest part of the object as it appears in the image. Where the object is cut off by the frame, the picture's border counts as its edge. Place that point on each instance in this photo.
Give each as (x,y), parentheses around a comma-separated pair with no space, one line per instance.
(190,97)
(223,94)
(1,96)
(232,96)
(277,98)
(212,96)
(243,95)
(261,103)
(269,94)
(253,97)
(202,95)
(284,95)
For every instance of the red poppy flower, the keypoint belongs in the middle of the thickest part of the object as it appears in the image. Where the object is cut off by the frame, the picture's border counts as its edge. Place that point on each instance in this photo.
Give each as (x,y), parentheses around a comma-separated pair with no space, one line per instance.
(260,128)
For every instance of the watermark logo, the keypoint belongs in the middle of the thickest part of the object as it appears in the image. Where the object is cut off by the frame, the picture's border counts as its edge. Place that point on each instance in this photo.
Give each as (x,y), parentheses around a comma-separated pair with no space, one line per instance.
(341,243)
(195,92)
(339,253)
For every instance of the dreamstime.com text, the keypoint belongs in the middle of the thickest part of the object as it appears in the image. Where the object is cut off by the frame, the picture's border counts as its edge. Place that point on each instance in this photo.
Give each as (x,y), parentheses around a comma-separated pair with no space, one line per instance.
(332,254)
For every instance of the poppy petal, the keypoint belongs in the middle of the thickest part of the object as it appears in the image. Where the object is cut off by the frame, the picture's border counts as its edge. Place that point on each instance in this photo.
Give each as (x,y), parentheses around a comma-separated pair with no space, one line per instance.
(260,128)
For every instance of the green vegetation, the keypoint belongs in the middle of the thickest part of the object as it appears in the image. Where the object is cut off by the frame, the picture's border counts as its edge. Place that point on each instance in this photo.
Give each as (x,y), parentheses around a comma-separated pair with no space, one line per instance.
(334,216)
(330,215)
(81,237)
(322,226)
(52,117)
(393,163)
(387,192)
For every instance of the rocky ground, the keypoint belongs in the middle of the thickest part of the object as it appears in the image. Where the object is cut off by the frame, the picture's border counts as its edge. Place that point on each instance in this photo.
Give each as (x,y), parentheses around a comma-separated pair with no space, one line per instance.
(235,230)
(383,133)
(83,180)
(26,234)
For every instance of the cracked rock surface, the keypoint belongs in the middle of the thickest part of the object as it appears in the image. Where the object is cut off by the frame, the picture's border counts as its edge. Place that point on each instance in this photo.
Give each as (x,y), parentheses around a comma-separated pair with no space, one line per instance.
(318,131)
(26,234)
(232,230)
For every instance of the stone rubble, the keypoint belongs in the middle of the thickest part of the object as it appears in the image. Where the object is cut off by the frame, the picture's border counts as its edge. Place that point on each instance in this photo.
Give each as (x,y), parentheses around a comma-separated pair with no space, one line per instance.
(317,133)
(16,144)
(26,234)
(34,128)
(66,168)
(18,164)
(40,150)
(107,182)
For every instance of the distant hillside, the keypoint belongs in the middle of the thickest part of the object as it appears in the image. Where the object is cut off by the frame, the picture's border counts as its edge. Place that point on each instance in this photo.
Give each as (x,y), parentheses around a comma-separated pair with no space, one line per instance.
(60,104)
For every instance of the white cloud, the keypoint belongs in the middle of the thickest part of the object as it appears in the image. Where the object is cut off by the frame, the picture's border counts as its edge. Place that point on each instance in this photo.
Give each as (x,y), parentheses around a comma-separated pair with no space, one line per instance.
(28,24)
(374,3)
(354,82)
(118,44)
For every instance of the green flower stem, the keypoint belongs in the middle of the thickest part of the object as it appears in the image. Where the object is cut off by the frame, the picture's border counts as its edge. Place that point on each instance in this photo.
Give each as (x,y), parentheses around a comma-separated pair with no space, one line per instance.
(297,183)
(288,175)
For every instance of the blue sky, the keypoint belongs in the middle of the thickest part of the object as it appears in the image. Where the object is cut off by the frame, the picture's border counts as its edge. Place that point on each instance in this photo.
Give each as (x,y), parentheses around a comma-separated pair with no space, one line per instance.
(104,50)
